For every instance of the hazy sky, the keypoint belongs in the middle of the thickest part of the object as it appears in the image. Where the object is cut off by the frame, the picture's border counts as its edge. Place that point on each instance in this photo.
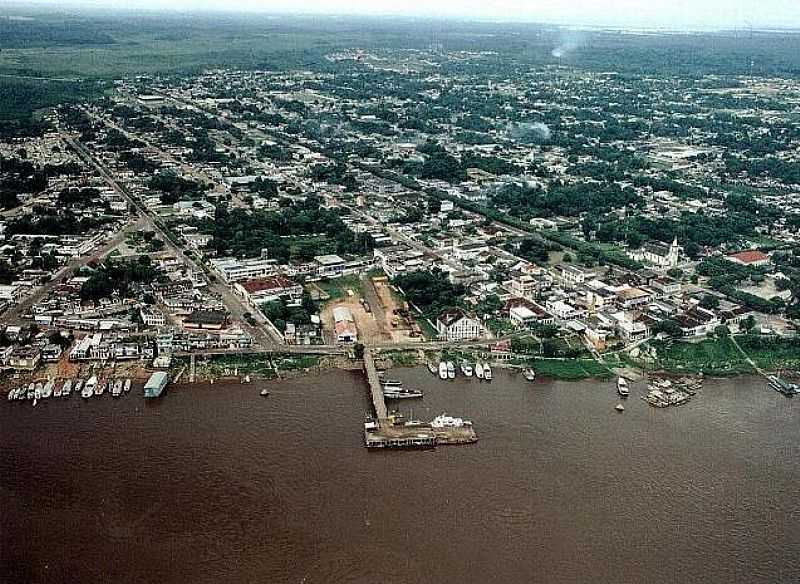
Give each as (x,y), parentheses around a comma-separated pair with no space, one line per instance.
(648,13)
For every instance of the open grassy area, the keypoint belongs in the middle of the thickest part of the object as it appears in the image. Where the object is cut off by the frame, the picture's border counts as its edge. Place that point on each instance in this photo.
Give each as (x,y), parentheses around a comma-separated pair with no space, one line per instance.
(401,358)
(569,369)
(712,357)
(721,357)
(338,287)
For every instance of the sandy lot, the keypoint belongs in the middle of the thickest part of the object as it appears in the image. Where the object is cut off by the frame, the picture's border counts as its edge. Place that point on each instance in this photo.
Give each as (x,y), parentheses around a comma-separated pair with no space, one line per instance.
(381,324)
(368,330)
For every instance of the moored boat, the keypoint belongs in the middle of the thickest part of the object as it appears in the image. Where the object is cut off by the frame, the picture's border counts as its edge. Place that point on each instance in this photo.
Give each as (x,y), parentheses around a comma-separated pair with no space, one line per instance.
(89,387)
(78,385)
(622,386)
(529,374)
(445,421)
(116,389)
(47,389)
(442,370)
(432,368)
(57,390)
(401,393)
(783,387)
(451,370)
(100,388)
(67,389)
(466,369)
(487,372)
(479,370)
(126,386)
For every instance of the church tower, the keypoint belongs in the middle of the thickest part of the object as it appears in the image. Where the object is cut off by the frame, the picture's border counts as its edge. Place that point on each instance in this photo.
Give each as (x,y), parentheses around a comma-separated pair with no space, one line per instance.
(674,253)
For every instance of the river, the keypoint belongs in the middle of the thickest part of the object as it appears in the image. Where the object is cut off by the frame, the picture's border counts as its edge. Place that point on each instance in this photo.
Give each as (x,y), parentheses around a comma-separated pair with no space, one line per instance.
(213,483)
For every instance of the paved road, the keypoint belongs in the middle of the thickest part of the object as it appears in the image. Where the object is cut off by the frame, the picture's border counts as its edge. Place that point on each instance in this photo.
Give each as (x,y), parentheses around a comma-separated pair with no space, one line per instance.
(234,304)
(14,314)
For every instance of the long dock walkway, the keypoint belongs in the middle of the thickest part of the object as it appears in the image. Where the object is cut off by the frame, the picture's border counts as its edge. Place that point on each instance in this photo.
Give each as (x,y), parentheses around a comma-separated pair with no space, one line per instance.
(375,388)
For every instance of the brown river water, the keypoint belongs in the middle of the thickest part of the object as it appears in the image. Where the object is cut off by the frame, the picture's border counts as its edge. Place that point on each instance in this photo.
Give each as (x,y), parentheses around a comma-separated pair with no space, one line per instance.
(213,484)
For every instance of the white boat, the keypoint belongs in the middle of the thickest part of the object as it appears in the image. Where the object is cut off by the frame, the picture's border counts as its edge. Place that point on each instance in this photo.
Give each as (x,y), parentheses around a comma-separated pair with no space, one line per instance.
(487,372)
(89,387)
(264,392)
(479,370)
(37,392)
(442,370)
(622,387)
(529,374)
(100,388)
(116,389)
(451,370)
(47,390)
(67,389)
(246,379)
(78,385)
(432,368)
(466,369)
(12,394)
(620,408)
(127,386)
(31,388)
(445,421)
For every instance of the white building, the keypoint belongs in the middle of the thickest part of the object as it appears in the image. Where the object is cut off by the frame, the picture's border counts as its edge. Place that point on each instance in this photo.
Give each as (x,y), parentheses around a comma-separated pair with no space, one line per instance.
(152,317)
(344,325)
(233,270)
(564,311)
(456,325)
(657,254)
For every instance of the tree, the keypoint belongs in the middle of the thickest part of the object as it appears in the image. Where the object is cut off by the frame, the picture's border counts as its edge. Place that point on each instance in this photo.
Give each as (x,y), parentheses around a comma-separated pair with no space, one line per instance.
(709,301)
(670,328)
(748,323)
(358,351)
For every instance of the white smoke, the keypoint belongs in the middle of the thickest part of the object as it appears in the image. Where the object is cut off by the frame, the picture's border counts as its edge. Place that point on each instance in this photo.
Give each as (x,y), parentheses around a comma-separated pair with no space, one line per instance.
(534,132)
(568,44)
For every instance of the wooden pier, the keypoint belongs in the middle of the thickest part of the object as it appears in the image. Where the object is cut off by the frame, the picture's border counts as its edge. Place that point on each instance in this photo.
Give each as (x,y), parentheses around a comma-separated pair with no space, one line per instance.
(386,433)
(375,388)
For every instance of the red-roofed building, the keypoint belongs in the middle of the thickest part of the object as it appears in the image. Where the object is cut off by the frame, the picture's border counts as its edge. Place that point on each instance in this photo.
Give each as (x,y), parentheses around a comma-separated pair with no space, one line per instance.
(261,290)
(751,257)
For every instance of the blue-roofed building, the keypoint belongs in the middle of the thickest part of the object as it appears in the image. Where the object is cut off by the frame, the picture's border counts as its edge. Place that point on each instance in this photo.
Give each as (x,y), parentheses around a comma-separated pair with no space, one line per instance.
(156,384)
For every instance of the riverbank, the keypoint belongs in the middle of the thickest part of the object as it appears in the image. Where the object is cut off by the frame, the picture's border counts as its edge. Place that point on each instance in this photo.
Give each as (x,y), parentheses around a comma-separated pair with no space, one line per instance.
(718,357)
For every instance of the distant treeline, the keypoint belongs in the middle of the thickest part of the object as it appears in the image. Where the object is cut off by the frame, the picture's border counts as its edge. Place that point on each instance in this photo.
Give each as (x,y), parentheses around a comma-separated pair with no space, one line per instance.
(23,33)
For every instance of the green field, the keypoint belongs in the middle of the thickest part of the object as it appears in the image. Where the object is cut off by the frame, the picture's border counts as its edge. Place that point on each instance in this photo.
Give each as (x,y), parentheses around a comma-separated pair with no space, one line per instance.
(569,369)
(338,287)
(721,357)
